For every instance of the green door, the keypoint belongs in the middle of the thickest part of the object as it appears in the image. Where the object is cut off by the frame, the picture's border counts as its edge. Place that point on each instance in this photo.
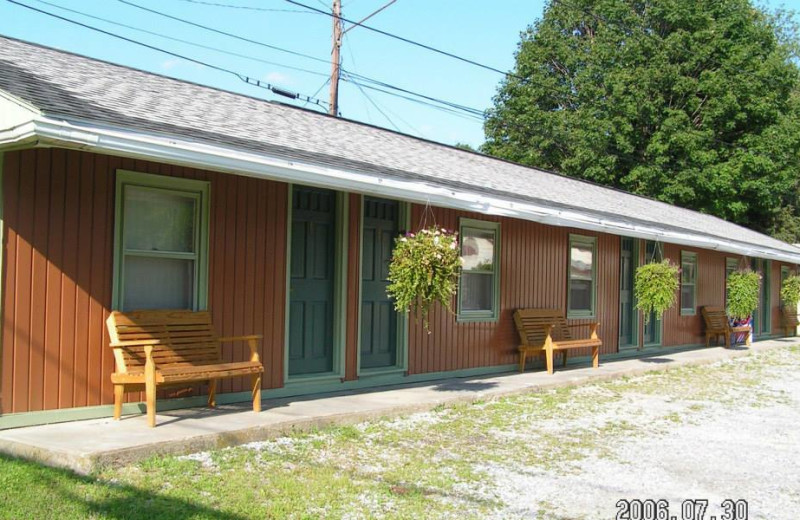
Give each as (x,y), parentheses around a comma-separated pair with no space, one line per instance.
(378,317)
(652,328)
(312,281)
(626,315)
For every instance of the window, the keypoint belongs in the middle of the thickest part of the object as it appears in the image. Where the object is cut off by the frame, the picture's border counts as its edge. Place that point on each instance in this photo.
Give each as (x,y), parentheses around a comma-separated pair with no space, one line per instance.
(688,283)
(582,275)
(784,273)
(160,242)
(478,294)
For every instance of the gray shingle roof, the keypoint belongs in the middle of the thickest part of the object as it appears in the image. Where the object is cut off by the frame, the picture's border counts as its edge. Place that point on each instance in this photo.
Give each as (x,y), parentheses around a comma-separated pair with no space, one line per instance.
(71,86)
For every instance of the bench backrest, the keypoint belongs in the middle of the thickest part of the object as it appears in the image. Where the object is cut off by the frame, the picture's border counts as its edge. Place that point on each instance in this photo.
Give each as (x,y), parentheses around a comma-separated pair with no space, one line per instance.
(178,338)
(715,317)
(531,325)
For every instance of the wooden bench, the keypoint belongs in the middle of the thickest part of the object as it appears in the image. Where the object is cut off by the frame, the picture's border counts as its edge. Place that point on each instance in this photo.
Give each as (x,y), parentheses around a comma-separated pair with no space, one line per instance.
(162,348)
(546,330)
(718,325)
(789,321)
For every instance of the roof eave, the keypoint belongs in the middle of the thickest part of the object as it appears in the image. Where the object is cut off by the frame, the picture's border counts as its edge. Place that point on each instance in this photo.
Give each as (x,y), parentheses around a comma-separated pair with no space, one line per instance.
(64,132)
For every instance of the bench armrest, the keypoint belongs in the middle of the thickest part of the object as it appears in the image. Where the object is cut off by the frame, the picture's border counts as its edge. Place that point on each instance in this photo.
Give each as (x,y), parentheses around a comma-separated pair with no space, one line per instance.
(135,343)
(229,339)
(252,342)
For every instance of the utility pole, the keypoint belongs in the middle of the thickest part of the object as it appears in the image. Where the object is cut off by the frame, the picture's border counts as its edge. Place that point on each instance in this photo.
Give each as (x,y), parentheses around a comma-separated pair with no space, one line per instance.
(335,60)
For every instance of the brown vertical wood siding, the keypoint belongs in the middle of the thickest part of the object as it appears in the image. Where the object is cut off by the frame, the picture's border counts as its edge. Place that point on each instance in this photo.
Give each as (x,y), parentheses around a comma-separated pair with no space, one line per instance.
(59,212)
(352,331)
(59,229)
(689,330)
(533,273)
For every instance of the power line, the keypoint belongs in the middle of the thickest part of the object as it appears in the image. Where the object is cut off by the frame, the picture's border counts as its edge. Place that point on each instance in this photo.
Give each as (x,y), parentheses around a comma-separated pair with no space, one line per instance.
(457,106)
(359,77)
(224,33)
(377,107)
(247,7)
(406,40)
(180,40)
(466,115)
(240,76)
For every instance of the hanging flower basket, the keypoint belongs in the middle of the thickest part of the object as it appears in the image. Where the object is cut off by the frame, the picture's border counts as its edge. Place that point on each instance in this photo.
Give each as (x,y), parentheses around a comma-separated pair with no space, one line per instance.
(790,291)
(742,293)
(656,285)
(424,269)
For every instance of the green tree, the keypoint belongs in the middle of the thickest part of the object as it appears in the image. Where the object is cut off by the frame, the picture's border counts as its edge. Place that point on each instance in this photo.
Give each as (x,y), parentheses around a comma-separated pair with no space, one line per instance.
(693,103)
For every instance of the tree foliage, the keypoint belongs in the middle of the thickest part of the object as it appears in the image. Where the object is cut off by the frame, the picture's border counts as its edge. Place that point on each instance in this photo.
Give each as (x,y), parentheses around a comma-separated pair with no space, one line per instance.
(693,103)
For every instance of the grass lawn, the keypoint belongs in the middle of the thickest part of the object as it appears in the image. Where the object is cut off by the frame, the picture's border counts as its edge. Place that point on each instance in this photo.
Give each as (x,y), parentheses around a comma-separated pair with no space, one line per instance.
(447,463)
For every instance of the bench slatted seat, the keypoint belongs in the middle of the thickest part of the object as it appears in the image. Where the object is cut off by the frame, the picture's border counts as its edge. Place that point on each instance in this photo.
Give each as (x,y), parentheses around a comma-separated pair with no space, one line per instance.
(789,320)
(159,348)
(719,326)
(546,330)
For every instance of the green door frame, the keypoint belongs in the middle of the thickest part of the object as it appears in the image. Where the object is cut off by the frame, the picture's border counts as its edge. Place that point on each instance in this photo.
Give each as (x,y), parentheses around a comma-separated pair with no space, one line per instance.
(402,317)
(339,295)
(634,343)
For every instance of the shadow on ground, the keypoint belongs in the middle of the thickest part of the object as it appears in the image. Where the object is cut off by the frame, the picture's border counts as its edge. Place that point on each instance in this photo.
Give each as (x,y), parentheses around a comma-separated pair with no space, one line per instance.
(29,490)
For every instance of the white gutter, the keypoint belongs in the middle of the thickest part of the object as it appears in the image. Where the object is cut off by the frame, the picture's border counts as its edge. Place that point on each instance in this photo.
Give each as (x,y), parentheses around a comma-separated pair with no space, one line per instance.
(87,136)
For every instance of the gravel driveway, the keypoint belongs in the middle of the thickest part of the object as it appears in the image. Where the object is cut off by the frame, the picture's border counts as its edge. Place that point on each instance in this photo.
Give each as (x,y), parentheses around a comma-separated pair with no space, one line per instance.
(695,440)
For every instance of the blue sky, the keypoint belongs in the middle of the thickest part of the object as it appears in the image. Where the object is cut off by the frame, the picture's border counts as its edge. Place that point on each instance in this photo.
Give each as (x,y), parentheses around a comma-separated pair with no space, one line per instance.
(486,32)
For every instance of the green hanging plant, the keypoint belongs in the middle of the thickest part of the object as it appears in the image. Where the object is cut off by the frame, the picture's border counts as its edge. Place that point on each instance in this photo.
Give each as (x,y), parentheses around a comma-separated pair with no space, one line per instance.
(656,285)
(742,293)
(790,291)
(424,269)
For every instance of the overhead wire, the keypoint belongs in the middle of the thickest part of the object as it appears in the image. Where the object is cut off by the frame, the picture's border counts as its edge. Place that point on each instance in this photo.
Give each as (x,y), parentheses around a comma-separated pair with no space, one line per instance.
(224,33)
(405,40)
(181,40)
(354,77)
(248,7)
(240,76)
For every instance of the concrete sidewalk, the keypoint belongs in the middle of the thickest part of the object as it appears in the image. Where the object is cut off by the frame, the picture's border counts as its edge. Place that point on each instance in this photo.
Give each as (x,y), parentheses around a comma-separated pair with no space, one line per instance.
(84,446)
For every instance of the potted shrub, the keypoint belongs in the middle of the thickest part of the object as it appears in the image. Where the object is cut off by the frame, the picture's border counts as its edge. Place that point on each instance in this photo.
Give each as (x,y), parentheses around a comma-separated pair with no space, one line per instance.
(790,291)
(655,286)
(742,294)
(424,269)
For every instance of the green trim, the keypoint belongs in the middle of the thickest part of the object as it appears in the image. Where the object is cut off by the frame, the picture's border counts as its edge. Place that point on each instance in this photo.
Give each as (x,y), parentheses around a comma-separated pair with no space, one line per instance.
(635,325)
(592,312)
(339,293)
(200,191)
(493,314)
(688,256)
(2,272)
(340,284)
(766,283)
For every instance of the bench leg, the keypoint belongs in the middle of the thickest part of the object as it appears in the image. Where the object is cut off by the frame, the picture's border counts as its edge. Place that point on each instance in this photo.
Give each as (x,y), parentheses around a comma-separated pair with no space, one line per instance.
(595,357)
(747,336)
(119,392)
(708,339)
(549,354)
(212,393)
(256,379)
(522,355)
(150,395)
